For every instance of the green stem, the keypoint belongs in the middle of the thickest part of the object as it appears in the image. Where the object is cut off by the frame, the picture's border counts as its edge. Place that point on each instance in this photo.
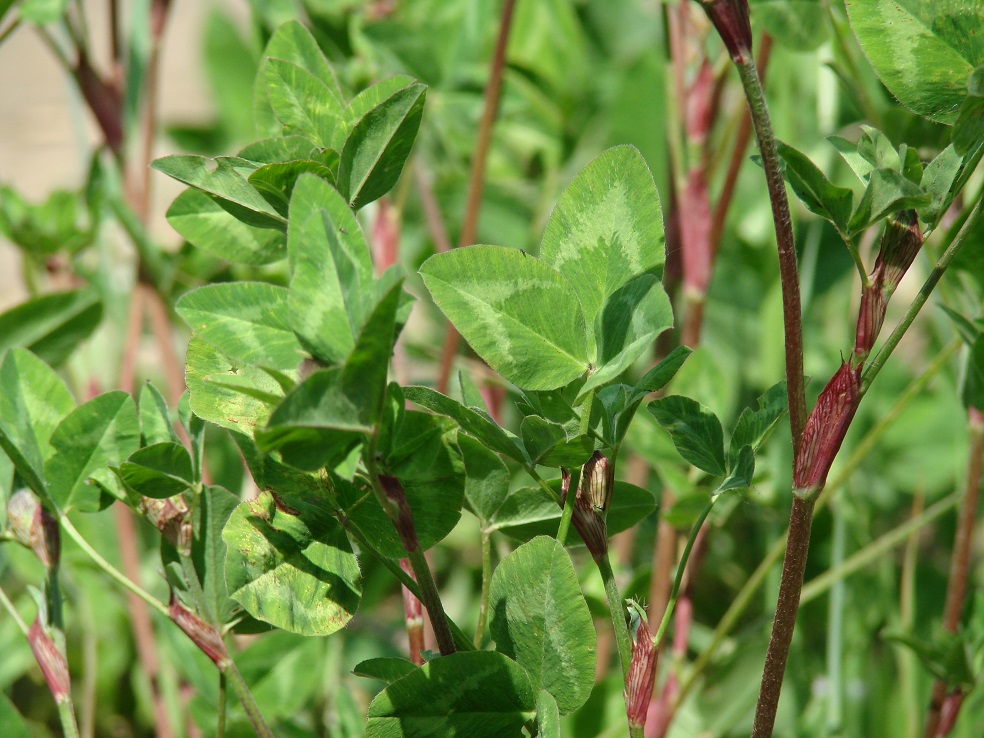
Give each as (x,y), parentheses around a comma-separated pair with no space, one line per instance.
(111,570)
(681,567)
(622,639)
(431,599)
(66,715)
(925,291)
(788,272)
(9,607)
(246,698)
(568,513)
(221,707)
(483,606)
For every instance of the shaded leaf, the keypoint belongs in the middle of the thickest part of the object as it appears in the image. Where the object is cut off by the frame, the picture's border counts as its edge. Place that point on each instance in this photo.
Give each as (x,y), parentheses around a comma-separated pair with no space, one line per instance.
(385,669)
(52,325)
(159,471)
(695,430)
(887,192)
(814,189)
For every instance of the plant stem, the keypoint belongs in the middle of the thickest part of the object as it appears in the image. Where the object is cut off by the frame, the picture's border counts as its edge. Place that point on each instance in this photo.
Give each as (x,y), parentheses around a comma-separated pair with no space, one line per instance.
(431,599)
(66,716)
(111,570)
(15,616)
(622,639)
(681,567)
(246,699)
(569,501)
(956,589)
(221,707)
(924,292)
(790,585)
(788,272)
(483,605)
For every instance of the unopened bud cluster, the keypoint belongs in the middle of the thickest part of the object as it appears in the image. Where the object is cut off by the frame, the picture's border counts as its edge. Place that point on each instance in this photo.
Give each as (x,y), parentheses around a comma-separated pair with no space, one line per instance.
(899,245)
(592,500)
(171,517)
(642,671)
(33,526)
(201,633)
(51,660)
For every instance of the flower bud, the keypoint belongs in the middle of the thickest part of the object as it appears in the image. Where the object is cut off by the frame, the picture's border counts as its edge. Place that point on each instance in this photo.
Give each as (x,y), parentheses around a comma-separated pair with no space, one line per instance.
(871,315)
(171,517)
(202,634)
(642,670)
(594,496)
(33,526)
(899,245)
(52,662)
(825,429)
(730,19)
(404,521)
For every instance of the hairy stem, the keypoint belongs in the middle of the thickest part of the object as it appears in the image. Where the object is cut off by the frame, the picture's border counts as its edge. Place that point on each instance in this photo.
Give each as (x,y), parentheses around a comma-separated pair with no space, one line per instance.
(483,605)
(619,625)
(239,686)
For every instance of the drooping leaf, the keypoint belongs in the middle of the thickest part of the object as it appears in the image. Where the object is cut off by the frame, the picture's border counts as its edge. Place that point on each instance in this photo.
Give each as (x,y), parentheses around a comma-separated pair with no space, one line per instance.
(519,314)
(159,471)
(630,320)
(155,421)
(247,321)
(294,571)
(968,129)
(606,229)
(224,178)
(33,401)
(887,192)
(740,473)
(214,397)
(100,433)
(529,511)
(539,617)
(754,426)
(548,444)
(486,478)
(385,669)
(378,146)
(930,52)
(465,694)
(814,189)
(214,507)
(52,325)
(329,296)
(472,421)
(205,224)
(938,180)
(695,430)
(661,374)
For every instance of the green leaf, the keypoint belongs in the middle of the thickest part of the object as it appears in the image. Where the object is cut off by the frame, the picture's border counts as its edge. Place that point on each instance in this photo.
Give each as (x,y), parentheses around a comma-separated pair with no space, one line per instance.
(213,397)
(887,192)
(947,656)
(52,325)
(741,472)
(33,401)
(549,445)
(930,52)
(968,129)
(630,320)
(155,420)
(529,511)
(547,716)
(938,178)
(458,696)
(225,179)
(247,321)
(278,149)
(539,617)
(800,25)
(695,430)
(486,478)
(329,297)
(202,222)
(294,43)
(208,551)
(378,146)
(372,97)
(302,102)
(519,314)
(661,374)
(473,421)
(606,230)
(385,669)
(754,426)
(100,433)
(276,181)
(814,189)
(972,377)
(159,471)
(12,725)
(43,12)
(296,572)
